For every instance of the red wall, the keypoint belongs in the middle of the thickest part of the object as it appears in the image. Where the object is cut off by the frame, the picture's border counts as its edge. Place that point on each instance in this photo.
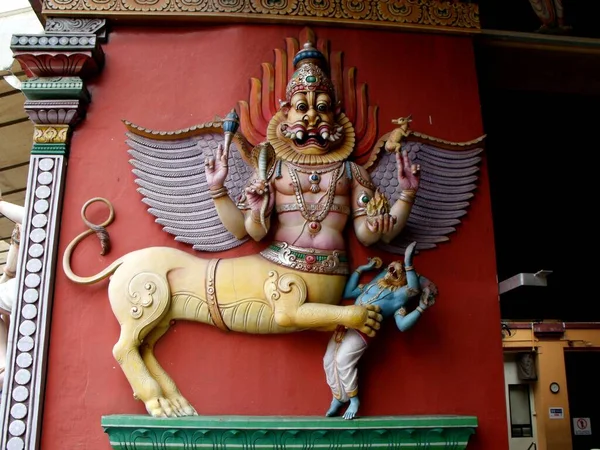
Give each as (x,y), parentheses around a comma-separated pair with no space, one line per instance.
(450,363)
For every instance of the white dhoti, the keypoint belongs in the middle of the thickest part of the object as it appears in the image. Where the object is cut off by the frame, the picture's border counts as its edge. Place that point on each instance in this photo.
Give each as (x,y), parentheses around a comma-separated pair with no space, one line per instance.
(340,362)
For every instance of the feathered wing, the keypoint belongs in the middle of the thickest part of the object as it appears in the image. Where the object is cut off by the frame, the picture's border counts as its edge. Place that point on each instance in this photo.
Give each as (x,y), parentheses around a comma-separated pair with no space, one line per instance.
(448,178)
(169,170)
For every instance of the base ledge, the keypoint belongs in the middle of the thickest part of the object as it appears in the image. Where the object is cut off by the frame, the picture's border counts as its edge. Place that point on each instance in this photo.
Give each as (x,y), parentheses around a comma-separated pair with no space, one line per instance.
(138,432)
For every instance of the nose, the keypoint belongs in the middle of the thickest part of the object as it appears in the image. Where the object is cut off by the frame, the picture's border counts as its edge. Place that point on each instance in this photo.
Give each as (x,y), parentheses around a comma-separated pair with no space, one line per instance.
(312,118)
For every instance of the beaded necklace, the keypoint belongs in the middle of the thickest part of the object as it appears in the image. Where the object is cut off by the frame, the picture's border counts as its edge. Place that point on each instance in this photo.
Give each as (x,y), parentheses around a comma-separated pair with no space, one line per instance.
(314,218)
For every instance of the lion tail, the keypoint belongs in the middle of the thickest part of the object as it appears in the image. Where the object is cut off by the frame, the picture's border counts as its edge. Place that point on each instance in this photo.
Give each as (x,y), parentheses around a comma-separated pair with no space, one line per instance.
(100,231)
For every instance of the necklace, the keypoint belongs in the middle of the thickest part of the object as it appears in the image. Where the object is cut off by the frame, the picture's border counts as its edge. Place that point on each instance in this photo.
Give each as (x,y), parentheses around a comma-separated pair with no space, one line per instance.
(314,175)
(312,216)
(374,299)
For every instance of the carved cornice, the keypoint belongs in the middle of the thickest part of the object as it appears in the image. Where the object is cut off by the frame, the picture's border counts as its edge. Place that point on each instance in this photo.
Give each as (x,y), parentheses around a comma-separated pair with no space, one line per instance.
(58,55)
(52,112)
(450,16)
(248,433)
(62,25)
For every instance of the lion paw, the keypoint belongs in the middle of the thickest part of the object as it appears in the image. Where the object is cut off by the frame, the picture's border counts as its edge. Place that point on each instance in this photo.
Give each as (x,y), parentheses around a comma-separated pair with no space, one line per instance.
(181,406)
(366,319)
(161,407)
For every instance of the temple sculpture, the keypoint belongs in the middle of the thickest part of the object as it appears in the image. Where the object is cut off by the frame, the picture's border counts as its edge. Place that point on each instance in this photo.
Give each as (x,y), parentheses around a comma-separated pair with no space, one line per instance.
(299,190)
(392,290)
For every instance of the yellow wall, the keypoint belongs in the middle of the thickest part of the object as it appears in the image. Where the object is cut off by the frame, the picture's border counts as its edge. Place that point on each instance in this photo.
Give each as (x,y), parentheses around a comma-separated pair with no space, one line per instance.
(552,434)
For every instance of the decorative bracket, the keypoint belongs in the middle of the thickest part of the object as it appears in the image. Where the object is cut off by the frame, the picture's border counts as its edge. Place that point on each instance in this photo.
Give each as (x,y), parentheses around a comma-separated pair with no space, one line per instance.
(58,55)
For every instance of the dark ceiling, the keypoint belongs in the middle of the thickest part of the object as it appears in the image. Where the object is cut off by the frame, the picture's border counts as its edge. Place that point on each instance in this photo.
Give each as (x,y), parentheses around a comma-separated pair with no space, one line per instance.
(539,106)
(519,15)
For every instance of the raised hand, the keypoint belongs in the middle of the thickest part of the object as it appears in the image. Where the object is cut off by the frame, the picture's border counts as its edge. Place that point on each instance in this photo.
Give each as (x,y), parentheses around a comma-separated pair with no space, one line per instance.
(427,298)
(256,193)
(408,173)
(216,168)
(408,254)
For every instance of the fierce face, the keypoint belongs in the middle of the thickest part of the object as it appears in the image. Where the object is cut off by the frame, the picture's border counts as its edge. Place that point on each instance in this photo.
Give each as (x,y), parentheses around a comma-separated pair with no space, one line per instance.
(310,125)
(395,275)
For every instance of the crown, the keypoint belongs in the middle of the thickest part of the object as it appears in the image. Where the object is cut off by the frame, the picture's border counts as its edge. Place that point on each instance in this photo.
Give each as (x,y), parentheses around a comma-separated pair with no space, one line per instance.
(309,75)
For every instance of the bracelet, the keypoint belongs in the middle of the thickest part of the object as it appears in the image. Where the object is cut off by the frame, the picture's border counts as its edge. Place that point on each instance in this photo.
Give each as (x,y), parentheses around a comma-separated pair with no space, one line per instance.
(406,268)
(421,310)
(401,312)
(218,193)
(407,196)
(358,272)
(358,212)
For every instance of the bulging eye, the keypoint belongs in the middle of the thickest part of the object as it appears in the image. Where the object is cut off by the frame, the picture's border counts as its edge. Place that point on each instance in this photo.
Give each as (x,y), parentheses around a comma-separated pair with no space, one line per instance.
(322,107)
(302,107)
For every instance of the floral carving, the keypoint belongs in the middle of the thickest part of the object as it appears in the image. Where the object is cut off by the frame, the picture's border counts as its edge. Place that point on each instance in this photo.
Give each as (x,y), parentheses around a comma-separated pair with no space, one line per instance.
(450,15)
(275,6)
(50,135)
(402,11)
(356,9)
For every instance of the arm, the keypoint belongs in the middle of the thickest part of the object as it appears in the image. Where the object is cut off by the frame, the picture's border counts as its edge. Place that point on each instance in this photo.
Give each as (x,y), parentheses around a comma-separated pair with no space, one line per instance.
(256,195)
(408,179)
(216,169)
(406,321)
(384,226)
(351,290)
(412,278)
(239,223)
(368,229)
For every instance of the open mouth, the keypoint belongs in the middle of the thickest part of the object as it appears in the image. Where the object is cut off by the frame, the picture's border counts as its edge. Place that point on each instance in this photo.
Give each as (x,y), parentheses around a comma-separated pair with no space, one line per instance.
(302,137)
(393,272)
(310,138)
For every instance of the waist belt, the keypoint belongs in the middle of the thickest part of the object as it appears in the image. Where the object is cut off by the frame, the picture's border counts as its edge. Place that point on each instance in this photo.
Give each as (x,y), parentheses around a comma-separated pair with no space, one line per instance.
(331,262)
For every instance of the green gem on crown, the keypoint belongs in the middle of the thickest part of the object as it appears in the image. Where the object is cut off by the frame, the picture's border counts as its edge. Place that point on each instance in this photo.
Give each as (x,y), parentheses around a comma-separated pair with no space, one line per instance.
(311,78)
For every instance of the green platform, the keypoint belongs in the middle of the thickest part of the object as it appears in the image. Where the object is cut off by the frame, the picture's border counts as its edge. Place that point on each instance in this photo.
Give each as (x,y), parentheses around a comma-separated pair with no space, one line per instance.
(136,432)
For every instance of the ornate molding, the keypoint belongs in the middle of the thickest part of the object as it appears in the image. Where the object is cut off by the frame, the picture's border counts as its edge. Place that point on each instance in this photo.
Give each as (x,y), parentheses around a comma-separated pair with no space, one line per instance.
(55,134)
(22,398)
(130,432)
(451,16)
(58,55)
(47,112)
(55,88)
(54,104)
(63,25)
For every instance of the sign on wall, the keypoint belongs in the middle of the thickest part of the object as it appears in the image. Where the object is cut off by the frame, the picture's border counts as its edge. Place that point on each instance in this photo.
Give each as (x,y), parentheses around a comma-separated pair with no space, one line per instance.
(582,426)
(557,413)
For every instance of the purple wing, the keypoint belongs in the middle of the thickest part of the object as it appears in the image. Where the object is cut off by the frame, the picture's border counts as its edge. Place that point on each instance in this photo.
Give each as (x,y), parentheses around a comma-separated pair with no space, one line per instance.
(169,170)
(448,181)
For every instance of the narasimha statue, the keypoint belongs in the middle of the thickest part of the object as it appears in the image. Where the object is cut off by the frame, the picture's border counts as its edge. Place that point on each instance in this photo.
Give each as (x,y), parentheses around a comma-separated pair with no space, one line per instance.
(212,188)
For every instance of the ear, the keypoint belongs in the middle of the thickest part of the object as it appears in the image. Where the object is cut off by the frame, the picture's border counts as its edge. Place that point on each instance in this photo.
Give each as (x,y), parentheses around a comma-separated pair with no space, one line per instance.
(338,108)
(284,106)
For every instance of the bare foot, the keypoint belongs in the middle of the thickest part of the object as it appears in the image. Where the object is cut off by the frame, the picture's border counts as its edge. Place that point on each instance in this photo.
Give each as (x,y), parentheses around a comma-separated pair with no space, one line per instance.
(334,407)
(352,409)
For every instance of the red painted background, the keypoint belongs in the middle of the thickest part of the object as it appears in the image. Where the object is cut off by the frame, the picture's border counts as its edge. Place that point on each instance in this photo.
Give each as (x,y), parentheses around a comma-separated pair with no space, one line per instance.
(450,363)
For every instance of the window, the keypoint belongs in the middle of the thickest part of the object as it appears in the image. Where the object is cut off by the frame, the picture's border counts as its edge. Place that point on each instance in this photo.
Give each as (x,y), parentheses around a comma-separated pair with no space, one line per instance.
(520,411)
